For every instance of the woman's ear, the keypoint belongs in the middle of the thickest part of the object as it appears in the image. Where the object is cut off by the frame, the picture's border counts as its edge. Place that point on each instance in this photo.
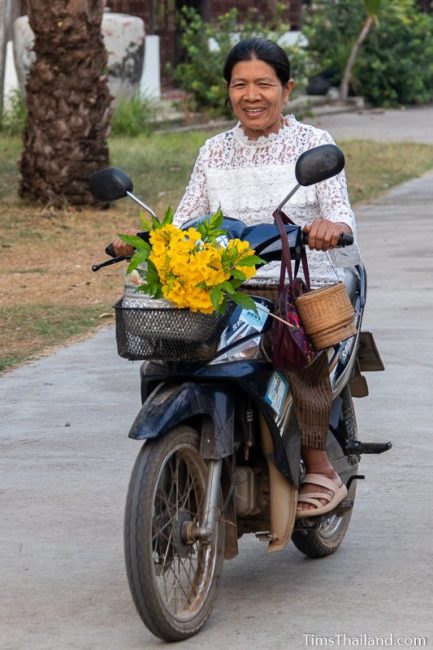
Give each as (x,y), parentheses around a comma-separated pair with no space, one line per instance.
(288,89)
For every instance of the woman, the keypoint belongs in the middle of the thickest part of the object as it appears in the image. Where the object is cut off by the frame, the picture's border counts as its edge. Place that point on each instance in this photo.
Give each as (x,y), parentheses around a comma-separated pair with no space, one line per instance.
(247,171)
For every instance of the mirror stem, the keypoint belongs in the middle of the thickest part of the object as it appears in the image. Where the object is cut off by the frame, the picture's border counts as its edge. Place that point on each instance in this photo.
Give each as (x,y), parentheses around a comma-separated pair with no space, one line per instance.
(289,196)
(143,205)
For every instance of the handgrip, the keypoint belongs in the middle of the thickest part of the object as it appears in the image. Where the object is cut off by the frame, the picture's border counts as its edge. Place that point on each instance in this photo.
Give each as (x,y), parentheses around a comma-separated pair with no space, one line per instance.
(345,239)
(110,251)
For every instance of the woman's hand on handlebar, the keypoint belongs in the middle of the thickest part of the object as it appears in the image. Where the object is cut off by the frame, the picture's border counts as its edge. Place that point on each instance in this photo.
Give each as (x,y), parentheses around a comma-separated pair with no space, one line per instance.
(324,234)
(120,247)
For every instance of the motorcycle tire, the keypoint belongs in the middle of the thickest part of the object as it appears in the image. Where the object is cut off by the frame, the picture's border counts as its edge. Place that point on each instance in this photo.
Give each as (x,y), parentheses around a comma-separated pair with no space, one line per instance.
(173,583)
(325,539)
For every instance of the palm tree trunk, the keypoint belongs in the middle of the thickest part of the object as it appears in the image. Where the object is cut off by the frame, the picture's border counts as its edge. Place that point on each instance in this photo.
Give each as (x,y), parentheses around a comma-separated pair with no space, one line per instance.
(68,102)
(344,85)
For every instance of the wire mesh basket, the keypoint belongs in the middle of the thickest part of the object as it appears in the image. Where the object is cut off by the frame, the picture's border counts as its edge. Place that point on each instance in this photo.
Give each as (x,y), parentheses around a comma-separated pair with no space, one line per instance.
(155,329)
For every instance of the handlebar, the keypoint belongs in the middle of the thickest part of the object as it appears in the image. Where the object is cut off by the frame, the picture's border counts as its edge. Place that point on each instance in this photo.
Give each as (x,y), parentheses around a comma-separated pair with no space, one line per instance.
(344,240)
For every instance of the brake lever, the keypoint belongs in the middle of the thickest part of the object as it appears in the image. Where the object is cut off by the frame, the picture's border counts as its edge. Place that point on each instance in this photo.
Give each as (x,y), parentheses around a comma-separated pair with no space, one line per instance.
(115,260)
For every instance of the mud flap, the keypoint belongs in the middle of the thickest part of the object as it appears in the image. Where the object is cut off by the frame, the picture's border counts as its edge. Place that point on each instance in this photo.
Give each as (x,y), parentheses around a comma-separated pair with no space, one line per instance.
(368,360)
(283,495)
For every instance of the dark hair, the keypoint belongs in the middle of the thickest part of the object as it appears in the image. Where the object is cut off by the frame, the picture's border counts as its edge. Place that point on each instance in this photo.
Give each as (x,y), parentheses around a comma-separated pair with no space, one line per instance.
(262,49)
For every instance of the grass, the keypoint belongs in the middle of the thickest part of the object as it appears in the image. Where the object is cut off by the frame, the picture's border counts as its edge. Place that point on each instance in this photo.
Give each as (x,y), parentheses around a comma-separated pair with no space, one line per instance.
(33,328)
(47,291)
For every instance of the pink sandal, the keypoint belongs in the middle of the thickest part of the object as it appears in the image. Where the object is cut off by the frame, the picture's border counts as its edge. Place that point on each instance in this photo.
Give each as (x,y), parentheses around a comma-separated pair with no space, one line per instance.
(339,492)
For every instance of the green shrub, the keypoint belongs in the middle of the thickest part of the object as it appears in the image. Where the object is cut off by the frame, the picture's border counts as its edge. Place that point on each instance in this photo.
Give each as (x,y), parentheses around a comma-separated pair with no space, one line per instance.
(207,45)
(394,65)
(397,65)
(14,114)
(132,117)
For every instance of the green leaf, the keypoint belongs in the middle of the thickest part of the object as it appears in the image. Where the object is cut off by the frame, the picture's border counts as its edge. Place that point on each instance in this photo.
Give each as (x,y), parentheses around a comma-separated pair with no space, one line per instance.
(133,264)
(168,217)
(201,229)
(152,273)
(222,306)
(244,300)
(156,224)
(135,241)
(251,260)
(216,220)
(144,288)
(239,275)
(226,286)
(138,258)
(215,296)
(145,222)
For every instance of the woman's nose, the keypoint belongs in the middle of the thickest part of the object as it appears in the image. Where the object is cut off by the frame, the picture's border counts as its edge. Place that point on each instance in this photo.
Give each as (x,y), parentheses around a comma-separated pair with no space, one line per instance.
(251,93)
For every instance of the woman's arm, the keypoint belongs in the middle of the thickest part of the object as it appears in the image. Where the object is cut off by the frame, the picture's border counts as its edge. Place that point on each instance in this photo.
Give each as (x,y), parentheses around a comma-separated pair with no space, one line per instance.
(336,212)
(194,202)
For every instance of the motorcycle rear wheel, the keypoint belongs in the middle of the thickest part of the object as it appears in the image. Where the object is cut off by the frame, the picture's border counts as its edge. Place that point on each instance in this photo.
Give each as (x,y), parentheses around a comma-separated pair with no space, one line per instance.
(328,535)
(173,582)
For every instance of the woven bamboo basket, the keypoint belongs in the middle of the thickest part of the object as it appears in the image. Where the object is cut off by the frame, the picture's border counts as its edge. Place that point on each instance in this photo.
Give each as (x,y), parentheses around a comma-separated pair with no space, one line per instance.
(327,315)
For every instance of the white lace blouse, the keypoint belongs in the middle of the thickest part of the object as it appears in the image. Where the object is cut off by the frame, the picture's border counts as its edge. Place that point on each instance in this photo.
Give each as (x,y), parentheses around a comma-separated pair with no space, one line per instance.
(249,178)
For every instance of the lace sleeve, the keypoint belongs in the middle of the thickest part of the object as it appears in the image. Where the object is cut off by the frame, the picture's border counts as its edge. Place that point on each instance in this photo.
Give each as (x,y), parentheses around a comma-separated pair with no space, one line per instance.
(195,201)
(333,197)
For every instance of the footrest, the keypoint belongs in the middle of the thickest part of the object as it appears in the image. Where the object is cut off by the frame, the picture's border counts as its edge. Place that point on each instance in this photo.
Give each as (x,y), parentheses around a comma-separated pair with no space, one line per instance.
(358,447)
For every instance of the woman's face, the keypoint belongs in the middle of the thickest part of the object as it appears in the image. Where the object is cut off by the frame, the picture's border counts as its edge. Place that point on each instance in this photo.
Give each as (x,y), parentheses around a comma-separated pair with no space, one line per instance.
(257,97)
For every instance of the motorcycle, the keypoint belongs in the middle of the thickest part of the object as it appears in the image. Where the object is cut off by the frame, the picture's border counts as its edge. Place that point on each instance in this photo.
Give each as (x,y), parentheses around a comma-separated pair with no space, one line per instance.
(221,454)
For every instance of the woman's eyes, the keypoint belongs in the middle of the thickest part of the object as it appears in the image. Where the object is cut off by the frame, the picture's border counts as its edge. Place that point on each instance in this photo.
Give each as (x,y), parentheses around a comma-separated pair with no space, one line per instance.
(261,84)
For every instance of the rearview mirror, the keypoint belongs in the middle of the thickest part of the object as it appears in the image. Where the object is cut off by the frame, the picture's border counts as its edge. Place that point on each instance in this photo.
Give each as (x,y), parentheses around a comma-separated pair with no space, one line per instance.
(110,184)
(319,164)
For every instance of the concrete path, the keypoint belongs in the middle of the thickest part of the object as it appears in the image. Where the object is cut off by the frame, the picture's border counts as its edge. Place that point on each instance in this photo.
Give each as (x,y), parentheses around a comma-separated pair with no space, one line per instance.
(405,125)
(65,463)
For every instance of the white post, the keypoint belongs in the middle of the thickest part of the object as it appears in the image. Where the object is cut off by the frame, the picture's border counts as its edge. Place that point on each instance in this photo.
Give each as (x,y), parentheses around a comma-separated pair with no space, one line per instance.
(150,86)
(5,14)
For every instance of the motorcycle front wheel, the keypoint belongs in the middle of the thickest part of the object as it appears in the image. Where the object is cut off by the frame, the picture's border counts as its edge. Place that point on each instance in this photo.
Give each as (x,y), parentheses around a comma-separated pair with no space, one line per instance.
(173,582)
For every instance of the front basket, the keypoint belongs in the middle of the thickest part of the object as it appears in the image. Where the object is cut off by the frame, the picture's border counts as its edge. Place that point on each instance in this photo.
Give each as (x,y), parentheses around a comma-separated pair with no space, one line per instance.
(166,332)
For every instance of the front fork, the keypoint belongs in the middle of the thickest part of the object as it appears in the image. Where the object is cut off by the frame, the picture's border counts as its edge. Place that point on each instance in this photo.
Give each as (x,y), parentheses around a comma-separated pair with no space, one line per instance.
(206,529)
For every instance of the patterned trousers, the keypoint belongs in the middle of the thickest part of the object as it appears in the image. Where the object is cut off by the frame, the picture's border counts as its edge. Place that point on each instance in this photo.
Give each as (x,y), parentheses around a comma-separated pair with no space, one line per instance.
(312,398)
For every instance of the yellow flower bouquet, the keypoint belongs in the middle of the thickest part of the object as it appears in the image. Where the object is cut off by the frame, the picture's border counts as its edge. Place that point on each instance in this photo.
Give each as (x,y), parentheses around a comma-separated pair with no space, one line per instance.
(198,268)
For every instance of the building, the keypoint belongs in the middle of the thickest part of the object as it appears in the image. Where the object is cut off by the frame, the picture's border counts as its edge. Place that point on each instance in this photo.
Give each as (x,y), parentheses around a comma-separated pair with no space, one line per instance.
(161,17)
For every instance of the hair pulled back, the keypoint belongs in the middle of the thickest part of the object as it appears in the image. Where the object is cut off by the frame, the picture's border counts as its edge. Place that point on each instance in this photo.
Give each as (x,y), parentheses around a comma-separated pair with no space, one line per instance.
(262,49)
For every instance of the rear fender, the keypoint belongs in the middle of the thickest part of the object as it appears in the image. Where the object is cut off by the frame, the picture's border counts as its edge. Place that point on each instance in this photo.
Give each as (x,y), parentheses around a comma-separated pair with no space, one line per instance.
(170,405)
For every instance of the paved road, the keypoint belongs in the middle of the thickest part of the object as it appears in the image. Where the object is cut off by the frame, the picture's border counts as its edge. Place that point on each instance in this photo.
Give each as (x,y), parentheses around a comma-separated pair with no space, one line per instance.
(412,125)
(65,462)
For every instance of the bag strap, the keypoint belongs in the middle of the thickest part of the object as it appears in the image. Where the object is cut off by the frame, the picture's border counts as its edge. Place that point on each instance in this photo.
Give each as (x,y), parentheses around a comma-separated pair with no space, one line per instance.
(286,260)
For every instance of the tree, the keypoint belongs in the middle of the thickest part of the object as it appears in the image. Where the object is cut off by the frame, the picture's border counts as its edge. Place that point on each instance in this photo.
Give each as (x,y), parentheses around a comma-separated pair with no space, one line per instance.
(373,8)
(68,102)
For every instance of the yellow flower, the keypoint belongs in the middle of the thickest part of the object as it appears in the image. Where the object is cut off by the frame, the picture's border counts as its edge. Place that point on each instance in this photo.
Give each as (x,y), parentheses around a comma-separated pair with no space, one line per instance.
(189,268)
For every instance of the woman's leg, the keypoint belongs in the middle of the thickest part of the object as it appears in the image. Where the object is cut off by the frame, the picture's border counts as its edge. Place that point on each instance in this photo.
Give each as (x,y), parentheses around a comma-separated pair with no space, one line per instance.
(312,395)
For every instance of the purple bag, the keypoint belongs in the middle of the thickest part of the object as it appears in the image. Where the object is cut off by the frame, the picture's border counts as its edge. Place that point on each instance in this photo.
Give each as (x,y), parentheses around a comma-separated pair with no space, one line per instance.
(291,347)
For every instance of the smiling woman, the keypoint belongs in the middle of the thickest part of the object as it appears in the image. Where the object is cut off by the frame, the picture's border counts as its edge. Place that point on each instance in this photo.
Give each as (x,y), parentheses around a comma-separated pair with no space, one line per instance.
(246,173)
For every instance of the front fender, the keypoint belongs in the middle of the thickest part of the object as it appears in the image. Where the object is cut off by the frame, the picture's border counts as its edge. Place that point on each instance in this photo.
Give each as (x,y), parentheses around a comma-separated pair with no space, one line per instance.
(168,406)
